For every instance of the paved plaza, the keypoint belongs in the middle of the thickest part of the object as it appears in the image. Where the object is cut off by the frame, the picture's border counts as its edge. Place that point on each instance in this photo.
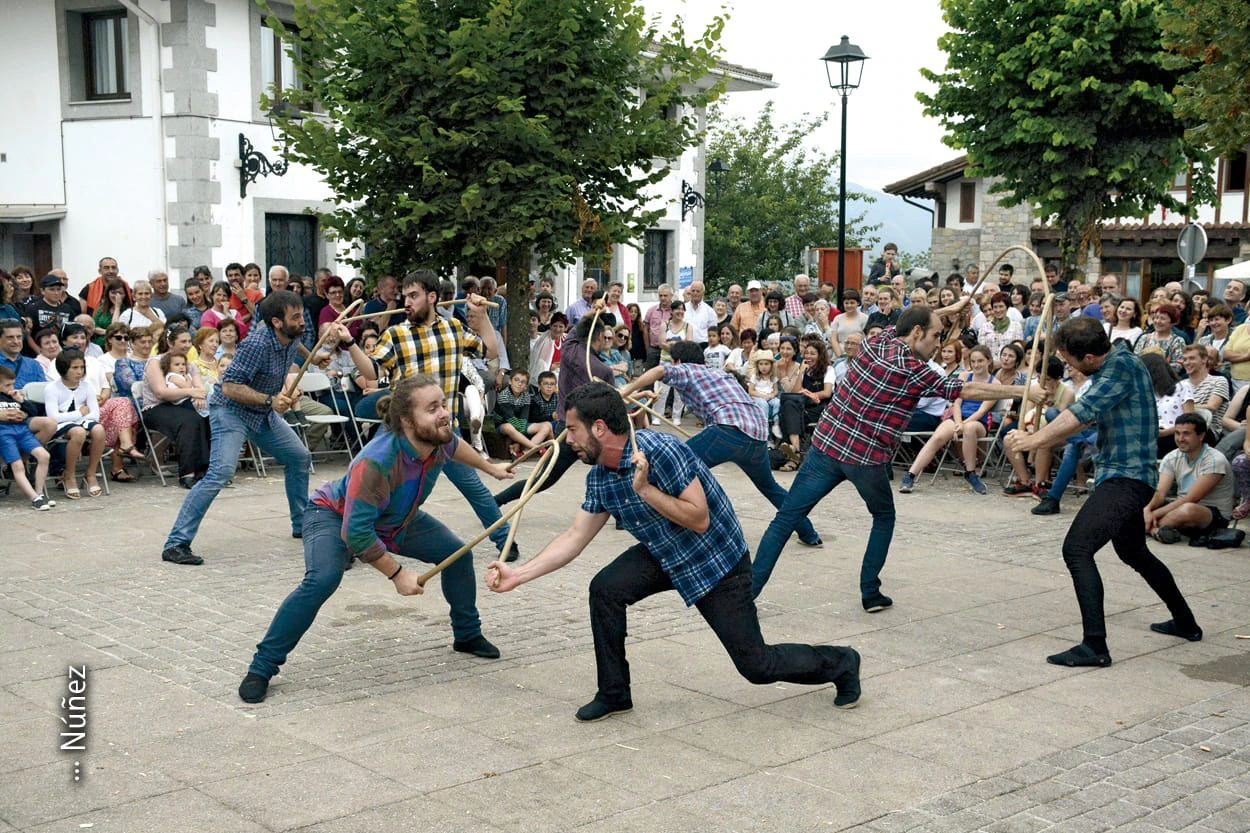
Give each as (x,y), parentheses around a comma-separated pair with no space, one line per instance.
(375,725)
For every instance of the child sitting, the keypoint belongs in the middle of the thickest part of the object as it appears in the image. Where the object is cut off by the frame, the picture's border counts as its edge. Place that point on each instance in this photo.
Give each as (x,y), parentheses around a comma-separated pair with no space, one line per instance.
(762,385)
(512,407)
(543,401)
(17,439)
(175,369)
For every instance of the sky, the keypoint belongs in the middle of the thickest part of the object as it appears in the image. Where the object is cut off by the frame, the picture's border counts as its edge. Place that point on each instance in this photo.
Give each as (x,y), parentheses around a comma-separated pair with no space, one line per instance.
(888,135)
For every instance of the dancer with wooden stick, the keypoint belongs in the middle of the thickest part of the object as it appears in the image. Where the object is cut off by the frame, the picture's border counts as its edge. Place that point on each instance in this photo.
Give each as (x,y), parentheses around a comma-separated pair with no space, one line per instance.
(689,540)
(373,513)
(248,405)
(1120,399)
(734,429)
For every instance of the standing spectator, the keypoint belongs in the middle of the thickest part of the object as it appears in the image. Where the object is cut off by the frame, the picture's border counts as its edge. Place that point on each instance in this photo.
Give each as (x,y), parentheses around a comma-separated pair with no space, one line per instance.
(612,304)
(637,339)
(885,267)
(386,301)
(243,299)
(699,316)
(356,291)
(734,297)
(169,302)
(582,306)
(336,303)
(1053,281)
(1235,298)
(747,314)
(498,315)
(794,303)
(93,293)
(1121,402)
(655,324)
(142,314)
(851,320)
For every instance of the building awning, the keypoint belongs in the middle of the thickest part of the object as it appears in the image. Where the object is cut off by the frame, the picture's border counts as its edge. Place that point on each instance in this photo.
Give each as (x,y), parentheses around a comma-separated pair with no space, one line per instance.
(30,213)
(923,185)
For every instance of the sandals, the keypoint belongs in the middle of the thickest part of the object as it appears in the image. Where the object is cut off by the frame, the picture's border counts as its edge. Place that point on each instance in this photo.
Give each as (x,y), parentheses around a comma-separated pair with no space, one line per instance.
(72,492)
(94,491)
(134,454)
(123,476)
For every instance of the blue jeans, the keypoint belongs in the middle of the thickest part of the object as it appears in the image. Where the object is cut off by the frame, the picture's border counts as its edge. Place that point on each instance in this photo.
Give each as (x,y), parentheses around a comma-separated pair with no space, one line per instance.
(1071,458)
(465,478)
(325,559)
(817,477)
(770,408)
(276,438)
(718,444)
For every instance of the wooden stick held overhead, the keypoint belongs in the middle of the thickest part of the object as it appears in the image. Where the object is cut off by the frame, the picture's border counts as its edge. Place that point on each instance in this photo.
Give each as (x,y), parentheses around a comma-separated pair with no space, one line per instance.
(313,352)
(457,301)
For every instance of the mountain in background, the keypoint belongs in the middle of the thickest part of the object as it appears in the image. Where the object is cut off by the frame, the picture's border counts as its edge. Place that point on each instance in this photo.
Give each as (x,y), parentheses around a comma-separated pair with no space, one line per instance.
(903,224)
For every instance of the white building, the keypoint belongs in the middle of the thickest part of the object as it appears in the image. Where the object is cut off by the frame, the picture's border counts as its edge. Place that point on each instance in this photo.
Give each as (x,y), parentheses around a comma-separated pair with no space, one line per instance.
(128,120)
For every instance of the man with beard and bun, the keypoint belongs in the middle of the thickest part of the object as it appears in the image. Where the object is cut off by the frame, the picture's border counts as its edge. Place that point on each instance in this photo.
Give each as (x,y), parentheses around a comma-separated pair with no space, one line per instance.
(248,405)
(689,540)
(373,513)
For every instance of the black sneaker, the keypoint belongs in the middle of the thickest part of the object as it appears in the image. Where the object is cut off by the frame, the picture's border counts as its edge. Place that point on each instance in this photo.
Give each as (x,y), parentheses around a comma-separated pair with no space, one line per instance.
(1080,656)
(253,688)
(1170,628)
(597,709)
(1048,506)
(41,503)
(514,552)
(1019,490)
(848,684)
(478,646)
(1167,535)
(181,554)
(877,603)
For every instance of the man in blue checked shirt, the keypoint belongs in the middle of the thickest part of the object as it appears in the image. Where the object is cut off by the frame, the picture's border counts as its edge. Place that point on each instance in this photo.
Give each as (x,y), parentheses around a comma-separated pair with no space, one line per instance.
(1121,401)
(689,541)
(735,429)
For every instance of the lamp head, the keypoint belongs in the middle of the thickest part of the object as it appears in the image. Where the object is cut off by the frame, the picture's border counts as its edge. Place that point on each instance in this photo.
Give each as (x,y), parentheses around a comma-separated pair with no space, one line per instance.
(844,65)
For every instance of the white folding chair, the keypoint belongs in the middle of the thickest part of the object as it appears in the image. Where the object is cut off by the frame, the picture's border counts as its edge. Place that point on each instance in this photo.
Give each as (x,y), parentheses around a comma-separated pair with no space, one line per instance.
(154,451)
(358,421)
(313,384)
(37,392)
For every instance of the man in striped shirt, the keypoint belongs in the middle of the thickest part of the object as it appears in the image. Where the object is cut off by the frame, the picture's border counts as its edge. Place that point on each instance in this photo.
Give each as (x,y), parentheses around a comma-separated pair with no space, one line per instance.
(734,430)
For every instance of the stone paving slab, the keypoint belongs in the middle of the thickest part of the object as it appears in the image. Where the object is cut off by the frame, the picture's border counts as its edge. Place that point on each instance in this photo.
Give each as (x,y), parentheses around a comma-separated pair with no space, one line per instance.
(376,725)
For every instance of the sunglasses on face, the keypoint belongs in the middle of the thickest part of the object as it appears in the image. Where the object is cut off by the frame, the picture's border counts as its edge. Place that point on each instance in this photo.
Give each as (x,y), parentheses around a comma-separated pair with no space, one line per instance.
(121,338)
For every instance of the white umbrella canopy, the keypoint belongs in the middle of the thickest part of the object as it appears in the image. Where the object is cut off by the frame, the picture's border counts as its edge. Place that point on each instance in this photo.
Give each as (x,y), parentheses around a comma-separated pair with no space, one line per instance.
(1238,271)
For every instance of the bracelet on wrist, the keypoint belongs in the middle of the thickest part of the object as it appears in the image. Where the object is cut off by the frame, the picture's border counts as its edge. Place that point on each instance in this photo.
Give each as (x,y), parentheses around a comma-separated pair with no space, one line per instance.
(398,569)
(349,345)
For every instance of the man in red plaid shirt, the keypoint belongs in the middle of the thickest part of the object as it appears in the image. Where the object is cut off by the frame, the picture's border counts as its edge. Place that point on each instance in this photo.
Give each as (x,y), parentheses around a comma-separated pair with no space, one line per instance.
(860,430)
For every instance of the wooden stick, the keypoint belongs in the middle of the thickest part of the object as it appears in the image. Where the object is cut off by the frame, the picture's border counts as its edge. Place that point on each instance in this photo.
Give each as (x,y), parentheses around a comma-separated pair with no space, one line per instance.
(1048,313)
(657,415)
(535,480)
(313,352)
(456,301)
(384,313)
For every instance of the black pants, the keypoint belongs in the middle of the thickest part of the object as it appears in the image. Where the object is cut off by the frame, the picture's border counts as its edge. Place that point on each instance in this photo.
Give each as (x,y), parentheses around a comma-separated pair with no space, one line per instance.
(653,358)
(795,414)
(1113,513)
(187,430)
(728,608)
(566,459)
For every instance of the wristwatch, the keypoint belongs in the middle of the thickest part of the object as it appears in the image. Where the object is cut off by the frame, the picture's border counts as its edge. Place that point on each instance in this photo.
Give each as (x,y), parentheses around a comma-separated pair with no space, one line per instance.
(348,344)
(268,401)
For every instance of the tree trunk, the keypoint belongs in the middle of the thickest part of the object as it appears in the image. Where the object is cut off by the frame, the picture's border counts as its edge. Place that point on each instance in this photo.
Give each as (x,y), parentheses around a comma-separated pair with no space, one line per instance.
(518,310)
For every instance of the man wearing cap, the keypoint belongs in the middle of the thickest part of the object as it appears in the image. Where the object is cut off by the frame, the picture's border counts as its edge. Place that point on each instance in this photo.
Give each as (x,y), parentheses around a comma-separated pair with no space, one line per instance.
(750,310)
(54,310)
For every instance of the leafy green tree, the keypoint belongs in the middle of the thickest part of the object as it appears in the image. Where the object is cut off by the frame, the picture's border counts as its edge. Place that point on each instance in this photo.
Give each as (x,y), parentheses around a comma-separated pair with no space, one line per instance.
(492,131)
(1070,104)
(1211,42)
(777,197)
(910,260)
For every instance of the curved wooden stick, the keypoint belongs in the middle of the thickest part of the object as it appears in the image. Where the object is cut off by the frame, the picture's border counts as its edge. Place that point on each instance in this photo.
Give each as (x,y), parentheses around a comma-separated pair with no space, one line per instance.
(313,352)
(1048,313)
(629,400)
(456,301)
(545,466)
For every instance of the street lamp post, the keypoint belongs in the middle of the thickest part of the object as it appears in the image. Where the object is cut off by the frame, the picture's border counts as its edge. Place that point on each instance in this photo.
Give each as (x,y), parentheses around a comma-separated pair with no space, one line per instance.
(849,60)
(717,169)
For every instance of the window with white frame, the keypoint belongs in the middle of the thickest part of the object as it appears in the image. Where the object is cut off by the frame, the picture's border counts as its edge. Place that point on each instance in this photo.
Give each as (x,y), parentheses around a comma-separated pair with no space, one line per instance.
(106,55)
(277,62)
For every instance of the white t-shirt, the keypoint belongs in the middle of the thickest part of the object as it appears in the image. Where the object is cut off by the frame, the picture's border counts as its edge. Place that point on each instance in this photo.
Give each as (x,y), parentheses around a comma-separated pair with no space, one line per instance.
(699,320)
(1185,473)
(716,356)
(133,318)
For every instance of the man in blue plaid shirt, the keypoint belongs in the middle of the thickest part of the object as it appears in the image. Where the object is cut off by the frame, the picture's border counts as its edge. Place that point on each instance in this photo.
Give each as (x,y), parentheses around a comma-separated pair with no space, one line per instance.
(1121,400)
(735,430)
(689,540)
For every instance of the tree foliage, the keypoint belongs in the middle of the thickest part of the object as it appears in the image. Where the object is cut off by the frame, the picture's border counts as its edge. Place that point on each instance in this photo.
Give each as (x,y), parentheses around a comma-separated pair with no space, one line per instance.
(1211,42)
(492,131)
(777,197)
(1069,103)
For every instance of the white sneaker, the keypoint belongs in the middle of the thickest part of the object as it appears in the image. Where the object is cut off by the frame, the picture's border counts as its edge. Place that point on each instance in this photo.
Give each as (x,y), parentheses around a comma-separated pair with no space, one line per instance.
(777,430)
(655,420)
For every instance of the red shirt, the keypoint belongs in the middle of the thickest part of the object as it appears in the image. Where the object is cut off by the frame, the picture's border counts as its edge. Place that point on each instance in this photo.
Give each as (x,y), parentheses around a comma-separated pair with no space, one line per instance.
(871,408)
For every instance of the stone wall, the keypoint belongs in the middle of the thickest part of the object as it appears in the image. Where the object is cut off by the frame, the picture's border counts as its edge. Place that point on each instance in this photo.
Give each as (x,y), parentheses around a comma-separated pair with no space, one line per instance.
(949,245)
(1002,227)
(193,191)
